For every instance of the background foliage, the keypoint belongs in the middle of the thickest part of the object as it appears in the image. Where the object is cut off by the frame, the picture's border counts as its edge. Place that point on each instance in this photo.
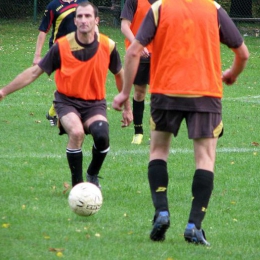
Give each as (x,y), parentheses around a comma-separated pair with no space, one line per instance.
(29,8)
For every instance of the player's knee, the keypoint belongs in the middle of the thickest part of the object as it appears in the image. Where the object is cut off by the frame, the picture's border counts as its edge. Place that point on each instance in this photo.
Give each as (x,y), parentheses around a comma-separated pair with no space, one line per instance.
(100,132)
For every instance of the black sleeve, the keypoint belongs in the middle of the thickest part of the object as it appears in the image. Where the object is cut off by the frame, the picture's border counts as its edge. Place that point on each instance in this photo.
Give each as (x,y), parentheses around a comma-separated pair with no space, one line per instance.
(115,64)
(51,61)
(129,10)
(147,29)
(229,34)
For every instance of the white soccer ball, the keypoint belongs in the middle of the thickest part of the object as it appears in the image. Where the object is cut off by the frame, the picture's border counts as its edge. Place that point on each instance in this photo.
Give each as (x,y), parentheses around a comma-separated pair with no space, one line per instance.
(85,199)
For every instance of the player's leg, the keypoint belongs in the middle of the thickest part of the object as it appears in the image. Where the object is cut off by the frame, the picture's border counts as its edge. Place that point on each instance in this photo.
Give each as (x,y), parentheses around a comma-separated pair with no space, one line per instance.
(140,84)
(99,129)
(70,123)
(74,128)
(95,123)
(202,184)
(158,181)
(138,111)
(161,135)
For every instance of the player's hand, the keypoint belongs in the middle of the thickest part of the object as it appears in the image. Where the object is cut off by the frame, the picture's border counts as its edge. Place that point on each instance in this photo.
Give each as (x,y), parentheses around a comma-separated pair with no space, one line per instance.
(228,78)
(145,53)
(127,117)
(36,59)
(119,101)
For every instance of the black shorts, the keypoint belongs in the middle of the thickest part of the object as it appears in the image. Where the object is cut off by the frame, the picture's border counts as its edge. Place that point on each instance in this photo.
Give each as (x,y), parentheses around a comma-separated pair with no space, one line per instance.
(85,109)
(199,124)
(143,74)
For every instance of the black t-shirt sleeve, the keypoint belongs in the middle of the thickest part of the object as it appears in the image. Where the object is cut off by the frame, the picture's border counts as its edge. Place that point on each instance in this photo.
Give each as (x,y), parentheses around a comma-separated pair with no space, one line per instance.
(47,18)
(51,61)
(129,10)
(115,64)
(229,34)
(147,29)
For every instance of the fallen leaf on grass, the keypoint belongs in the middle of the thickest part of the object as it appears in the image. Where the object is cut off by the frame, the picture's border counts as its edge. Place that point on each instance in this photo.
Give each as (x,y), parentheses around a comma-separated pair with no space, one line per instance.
(6,225)
(46,237)
(59,254)
(66,186)
(52,249)
(255,143)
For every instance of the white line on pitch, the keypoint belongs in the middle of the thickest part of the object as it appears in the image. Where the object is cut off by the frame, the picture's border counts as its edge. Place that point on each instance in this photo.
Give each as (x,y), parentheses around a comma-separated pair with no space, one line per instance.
(126,152)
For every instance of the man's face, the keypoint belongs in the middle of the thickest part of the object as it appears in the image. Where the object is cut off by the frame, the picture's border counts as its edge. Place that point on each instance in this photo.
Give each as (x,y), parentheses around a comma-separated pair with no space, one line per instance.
(85,19)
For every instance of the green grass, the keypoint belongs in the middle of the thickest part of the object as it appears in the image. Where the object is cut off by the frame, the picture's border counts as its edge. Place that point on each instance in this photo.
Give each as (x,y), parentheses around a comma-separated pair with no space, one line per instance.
(35,219)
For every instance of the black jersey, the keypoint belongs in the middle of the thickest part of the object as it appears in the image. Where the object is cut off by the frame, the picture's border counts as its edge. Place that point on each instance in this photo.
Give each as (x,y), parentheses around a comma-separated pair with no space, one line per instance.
(129,9)
(60,16)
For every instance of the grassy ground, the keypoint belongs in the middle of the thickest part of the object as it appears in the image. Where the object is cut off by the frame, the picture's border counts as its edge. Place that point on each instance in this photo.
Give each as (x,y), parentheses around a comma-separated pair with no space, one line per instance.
(35,219)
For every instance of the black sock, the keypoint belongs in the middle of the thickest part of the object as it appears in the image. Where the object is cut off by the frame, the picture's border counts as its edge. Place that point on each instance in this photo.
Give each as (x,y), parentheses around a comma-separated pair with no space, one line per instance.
(74,157)
(138,111)
(158,180)
(98,158)
(202,187)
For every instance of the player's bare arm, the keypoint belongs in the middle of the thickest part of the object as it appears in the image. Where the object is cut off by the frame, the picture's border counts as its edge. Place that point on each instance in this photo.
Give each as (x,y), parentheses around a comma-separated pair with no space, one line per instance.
(229,76)
(126,30)
(22,80)
(38,50)
(132,59)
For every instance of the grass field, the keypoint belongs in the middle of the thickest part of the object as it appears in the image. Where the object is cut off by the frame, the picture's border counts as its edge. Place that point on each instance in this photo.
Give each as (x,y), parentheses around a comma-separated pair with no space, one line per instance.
(35,219)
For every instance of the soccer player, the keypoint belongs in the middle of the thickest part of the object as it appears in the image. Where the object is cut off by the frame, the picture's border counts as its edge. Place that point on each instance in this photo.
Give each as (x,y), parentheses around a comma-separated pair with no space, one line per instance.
(81,60)
(131,17)
(59,14)
(185,84)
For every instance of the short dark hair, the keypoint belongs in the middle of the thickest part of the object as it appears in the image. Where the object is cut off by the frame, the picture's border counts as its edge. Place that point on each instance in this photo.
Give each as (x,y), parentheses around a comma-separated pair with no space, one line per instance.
(86,3)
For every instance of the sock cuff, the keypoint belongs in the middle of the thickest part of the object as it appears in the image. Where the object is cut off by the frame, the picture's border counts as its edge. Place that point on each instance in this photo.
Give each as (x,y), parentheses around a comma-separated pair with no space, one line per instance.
(104,151)
(157,162)
(204,173)
(68,150)
(139,102)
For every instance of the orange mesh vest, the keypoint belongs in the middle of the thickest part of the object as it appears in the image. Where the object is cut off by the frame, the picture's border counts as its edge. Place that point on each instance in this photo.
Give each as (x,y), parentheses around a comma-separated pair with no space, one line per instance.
(142,8)
(83,79)
(186,56)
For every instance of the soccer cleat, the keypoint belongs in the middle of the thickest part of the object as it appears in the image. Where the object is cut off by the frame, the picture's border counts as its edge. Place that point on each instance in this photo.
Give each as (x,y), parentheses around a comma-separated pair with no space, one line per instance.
(137,139)
(160,226)
(52,119)
(93,179)
(196,236)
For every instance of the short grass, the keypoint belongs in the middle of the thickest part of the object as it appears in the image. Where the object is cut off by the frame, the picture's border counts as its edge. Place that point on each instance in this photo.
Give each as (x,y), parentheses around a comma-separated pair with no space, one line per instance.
(35,219)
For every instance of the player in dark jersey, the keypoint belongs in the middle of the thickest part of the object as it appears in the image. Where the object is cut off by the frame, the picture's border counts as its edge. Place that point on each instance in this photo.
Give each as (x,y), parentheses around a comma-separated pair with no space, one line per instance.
(81,60)
(131,17)
(185,84)
(59,18)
